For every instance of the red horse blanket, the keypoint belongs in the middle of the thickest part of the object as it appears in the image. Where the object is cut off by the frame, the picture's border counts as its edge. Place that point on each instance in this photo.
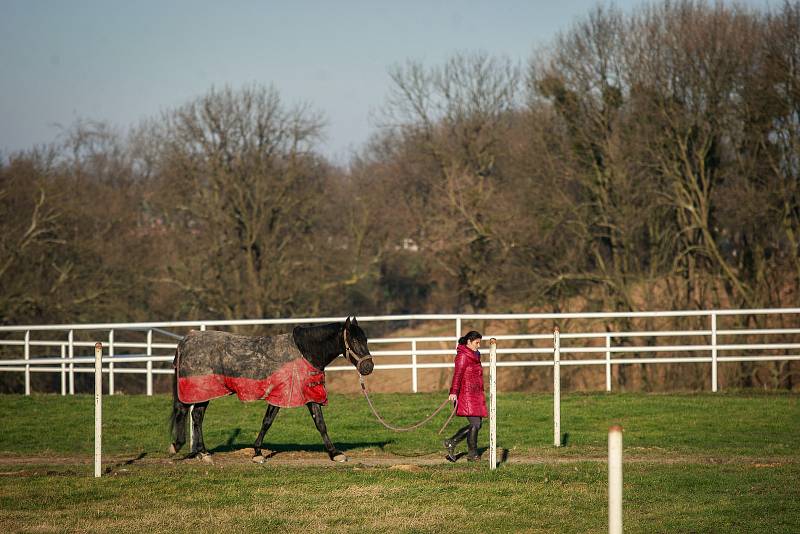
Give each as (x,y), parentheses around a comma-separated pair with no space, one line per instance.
(213,364)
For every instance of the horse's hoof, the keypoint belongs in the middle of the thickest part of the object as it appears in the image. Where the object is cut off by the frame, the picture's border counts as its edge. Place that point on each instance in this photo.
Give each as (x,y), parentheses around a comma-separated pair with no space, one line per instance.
(207,458)
(339,458)
(258,459)
(172,449)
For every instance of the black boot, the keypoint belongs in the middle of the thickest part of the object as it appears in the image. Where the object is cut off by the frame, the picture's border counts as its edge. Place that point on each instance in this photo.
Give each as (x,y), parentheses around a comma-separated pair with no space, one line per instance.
(450,444)
(472,445)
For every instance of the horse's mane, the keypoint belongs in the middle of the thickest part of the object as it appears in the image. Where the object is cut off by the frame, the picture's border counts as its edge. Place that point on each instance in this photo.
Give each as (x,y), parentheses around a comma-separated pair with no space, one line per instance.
(318,340)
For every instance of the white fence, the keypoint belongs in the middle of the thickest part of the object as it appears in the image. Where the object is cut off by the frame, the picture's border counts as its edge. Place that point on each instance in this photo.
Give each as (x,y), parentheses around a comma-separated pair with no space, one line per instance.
(153,353)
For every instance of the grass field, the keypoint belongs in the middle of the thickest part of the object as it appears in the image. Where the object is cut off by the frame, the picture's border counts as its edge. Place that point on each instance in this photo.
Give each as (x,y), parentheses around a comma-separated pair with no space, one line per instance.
(727,462)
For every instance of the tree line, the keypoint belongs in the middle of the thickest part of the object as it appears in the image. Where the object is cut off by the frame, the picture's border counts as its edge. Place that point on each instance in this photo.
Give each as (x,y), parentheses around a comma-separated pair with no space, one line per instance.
(642,160)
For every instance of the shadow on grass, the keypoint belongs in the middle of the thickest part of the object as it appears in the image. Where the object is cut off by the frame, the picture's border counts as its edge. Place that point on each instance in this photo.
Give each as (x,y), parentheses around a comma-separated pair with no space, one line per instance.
(114,467)
(134,460)
(232,438)
(275,448)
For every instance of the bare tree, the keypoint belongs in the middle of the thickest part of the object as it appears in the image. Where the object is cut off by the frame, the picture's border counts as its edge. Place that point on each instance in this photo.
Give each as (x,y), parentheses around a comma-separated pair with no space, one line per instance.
(29,221)
(240,188)
(455,117)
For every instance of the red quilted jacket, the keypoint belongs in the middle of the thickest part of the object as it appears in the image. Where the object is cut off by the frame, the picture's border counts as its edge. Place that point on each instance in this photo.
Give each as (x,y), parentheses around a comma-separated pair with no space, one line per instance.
(468,383)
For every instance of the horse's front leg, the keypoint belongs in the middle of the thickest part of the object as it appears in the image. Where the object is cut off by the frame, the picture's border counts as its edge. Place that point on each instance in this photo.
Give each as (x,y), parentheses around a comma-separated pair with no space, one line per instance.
(319,421)
(269,417)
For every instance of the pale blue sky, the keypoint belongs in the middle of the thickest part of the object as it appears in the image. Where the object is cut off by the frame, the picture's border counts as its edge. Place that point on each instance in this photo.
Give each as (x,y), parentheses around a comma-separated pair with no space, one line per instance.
(125,61)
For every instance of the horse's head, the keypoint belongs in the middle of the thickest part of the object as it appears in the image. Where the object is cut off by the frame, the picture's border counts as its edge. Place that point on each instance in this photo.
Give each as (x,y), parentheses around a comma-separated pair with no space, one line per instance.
(356,349)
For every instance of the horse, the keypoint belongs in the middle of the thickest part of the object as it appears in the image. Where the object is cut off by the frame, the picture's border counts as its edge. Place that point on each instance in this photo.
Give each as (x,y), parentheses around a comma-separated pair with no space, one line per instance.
(286,370)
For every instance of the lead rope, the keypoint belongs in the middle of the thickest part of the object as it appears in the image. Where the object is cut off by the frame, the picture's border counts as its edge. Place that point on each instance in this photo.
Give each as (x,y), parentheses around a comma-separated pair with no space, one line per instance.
(407,428)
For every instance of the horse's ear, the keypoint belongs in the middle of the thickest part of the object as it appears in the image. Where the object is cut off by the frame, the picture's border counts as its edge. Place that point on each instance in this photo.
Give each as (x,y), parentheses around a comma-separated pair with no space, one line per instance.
(347,323)
(355,321)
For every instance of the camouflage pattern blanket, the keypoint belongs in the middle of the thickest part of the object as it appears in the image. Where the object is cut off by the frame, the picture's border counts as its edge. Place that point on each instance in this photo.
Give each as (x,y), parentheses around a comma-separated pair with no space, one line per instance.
(211,364)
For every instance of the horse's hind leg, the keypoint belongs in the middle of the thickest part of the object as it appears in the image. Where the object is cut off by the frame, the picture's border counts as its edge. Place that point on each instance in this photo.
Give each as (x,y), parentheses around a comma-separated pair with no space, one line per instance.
(179,411)
(319,421)
(198,446)
(269,417)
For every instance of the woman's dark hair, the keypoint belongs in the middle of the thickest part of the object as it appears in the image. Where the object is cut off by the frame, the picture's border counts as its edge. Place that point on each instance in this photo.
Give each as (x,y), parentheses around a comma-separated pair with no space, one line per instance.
(470,336)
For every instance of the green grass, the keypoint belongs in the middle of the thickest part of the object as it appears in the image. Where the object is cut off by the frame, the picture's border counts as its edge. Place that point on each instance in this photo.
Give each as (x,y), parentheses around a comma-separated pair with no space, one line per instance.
(535,498)
(725,462)
(727,424)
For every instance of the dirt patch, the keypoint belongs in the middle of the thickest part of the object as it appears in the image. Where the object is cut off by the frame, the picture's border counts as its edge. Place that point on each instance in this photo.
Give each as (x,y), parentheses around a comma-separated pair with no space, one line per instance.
(16,466)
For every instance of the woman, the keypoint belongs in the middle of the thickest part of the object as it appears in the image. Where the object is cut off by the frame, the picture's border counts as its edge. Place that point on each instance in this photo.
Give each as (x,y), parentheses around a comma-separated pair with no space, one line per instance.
(467,391)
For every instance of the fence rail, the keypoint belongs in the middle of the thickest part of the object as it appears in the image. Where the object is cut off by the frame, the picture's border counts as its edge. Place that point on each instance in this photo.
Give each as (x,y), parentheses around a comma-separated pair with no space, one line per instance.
(617,346)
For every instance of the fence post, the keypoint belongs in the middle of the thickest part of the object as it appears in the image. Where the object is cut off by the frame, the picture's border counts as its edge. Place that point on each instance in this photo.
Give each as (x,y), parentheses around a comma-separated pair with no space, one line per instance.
(63,370)
(27,365)
(493,404)
(191,408)
(414,365)
(150,363)
(713,352)
(98,407)
(615,480)
(458,328)
(191,425)
(71,344)
(556,388)
(608,362)
(111,362)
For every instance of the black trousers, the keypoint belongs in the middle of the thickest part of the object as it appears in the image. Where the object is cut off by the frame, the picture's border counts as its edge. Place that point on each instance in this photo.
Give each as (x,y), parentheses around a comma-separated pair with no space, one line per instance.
(474,425)
(475,421)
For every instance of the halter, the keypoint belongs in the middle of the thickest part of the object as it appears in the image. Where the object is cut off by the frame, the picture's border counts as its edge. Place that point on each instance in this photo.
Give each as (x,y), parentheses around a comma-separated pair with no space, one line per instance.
(350,353)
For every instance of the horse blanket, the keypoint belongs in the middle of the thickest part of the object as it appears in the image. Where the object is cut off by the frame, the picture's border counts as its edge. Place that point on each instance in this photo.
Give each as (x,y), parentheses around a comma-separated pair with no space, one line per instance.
(211,364)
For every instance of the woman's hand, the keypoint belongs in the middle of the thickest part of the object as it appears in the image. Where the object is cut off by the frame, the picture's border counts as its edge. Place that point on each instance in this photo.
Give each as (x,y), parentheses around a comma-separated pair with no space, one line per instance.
(452,397)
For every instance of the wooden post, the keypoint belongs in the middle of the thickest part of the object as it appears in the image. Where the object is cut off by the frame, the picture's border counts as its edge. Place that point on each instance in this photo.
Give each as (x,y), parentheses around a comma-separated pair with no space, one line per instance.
(608,362)
(27,365)
(150,363)
(191,426)
(414,365)
(615,480)
(714,352)
(492,404)
(111,362)
(63,370)
(98,407)
(556,388)
(71,354)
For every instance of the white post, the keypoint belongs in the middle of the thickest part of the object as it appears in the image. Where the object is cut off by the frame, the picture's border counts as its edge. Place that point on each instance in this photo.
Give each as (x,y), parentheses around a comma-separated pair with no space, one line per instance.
(63,370)
(98,407)
(414,365)
(70,342)
(608,362)
(493,404)
(191,426)
(615,480)
(27,365)
(149,363)
(713,352)
(191,408)
(556,388)
(111,362)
